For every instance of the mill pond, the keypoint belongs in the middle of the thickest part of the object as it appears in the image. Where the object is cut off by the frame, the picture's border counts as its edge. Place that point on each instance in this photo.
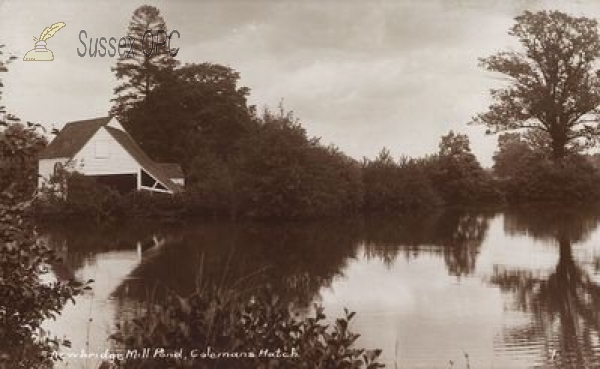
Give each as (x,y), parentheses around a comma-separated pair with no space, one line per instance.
(503,289)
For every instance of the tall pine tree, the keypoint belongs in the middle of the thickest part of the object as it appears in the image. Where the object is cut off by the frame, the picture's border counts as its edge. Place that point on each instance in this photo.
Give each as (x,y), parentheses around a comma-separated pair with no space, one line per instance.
(137,71)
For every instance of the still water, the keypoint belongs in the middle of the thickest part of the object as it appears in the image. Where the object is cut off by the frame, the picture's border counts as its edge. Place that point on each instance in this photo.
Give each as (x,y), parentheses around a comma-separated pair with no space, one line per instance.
(512,289)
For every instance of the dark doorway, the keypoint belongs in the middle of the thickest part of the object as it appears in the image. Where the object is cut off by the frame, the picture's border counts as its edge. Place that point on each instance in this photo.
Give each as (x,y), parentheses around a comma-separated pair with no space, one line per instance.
(123,183)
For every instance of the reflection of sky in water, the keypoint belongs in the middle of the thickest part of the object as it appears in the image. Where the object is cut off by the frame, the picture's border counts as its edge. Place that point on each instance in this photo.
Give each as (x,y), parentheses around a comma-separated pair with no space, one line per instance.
(413,307)
(421,316)
(92,317)
(418,313)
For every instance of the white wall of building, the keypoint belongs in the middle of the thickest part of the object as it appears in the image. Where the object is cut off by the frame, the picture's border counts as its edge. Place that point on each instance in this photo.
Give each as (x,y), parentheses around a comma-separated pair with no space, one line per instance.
(103,155)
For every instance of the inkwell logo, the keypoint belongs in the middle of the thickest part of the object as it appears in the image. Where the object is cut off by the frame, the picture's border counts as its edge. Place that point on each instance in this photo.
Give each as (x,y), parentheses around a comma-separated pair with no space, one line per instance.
(40,52)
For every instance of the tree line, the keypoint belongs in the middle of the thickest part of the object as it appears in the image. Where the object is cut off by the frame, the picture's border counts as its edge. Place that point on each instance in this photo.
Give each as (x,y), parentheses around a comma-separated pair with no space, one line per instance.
(239,161)
(266,165)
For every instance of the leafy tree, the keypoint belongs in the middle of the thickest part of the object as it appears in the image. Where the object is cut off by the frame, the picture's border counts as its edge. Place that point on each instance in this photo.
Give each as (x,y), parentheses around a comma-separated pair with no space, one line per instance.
(392,186)
(512,156)
(194,108)
(457,175)
(553,85)
(213,184)
(21,173)
(456,146)
(281,171)
(137,70)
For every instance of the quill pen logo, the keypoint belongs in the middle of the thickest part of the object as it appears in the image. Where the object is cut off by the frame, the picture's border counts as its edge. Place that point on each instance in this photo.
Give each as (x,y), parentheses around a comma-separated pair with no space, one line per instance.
(40,52)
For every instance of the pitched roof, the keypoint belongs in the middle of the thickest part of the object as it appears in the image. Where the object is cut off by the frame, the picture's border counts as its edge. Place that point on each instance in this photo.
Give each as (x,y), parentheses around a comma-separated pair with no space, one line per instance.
(75,135)
(172,170)
(72,138)
(127,142)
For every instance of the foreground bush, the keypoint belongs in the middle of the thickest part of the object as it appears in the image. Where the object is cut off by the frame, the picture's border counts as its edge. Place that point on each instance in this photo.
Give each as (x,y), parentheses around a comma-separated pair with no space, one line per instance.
(226,323)
(25,300)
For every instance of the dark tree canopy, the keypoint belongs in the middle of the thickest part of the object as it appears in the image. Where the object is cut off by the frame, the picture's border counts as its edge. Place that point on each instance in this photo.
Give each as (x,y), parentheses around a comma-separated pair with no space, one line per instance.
(458,175)
(512,152)
(137,71)
(282,170)
(553,86)
(195,108)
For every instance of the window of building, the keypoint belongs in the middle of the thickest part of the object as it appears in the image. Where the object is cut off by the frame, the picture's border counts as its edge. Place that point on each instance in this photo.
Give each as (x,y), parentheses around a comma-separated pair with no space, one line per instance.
(102,150)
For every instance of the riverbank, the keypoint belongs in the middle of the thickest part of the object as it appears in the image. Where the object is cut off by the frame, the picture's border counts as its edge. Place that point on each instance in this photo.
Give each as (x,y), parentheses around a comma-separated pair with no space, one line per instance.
(380,187)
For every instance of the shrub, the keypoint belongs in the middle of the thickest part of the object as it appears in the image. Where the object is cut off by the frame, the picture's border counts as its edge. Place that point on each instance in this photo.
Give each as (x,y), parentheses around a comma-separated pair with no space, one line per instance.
(211,190)
(144,204)
(452,177)
(81,196)
(20,170)
(227,322)
(392,186)
(528,174)
(281,172)
(85,196)
(25,301)
(542,180)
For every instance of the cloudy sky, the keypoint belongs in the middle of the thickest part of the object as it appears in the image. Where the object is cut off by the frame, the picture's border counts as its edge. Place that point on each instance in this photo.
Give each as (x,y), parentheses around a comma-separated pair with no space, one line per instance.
(360,74)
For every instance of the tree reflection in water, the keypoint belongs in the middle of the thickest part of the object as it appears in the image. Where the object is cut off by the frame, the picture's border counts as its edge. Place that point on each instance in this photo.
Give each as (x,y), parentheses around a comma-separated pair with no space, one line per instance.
(565,304)
(454,234)
(299,259)
(296,259)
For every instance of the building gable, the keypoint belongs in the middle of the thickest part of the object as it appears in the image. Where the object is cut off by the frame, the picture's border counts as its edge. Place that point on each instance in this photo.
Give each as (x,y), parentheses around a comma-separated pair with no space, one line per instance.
(154,170)
(72,138)
(104,155)
(101,147)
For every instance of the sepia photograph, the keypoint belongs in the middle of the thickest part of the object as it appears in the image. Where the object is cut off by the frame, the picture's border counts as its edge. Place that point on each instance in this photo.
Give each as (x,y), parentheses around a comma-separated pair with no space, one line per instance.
(289,184)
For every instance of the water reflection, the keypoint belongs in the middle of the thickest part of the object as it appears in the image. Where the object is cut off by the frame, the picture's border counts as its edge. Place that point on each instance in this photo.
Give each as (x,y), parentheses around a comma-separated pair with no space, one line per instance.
(564,303)
(456,235)
(296,260)
(513,289)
